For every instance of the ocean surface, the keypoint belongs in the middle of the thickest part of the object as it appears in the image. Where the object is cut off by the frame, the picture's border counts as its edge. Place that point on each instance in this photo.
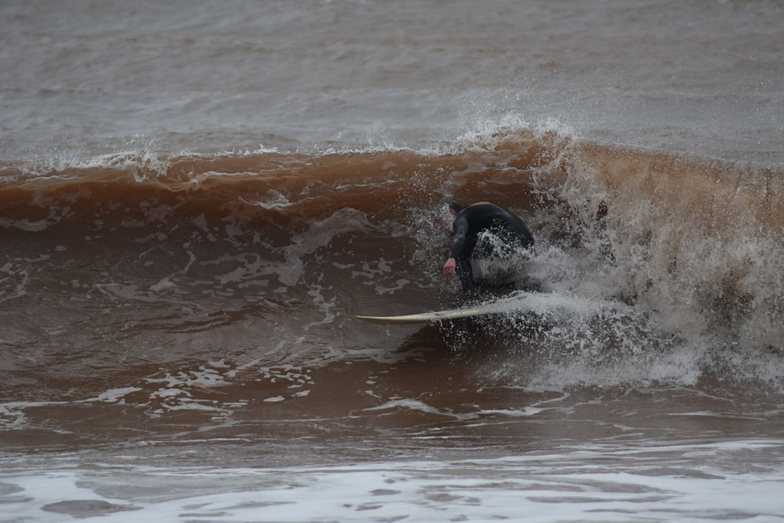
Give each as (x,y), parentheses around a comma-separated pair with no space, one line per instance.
(197,198)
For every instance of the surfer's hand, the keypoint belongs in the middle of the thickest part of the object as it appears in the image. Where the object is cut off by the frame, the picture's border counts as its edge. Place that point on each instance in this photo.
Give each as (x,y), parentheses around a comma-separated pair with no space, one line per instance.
(449,267)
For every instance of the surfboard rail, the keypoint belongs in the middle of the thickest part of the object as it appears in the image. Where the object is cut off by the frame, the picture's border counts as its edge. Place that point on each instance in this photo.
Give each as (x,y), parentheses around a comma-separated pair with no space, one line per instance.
(513,303)
(433,316)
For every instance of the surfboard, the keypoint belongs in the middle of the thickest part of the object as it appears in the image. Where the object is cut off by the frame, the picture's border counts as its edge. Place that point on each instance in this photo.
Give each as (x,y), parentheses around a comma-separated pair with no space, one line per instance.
(424,317)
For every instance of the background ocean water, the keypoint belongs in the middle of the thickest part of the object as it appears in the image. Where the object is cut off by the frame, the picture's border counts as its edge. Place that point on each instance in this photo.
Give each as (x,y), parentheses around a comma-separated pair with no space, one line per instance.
(97,77)
(197,197)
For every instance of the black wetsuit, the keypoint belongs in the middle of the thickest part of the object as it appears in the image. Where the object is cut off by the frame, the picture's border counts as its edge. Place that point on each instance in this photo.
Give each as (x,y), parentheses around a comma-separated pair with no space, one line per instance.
(470,223)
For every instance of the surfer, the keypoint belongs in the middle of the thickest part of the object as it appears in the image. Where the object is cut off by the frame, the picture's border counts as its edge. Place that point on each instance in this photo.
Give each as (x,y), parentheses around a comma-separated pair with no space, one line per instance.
(481,231)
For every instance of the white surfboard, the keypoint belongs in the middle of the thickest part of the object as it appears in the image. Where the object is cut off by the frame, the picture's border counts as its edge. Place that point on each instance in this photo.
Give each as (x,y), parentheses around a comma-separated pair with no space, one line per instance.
(449,314)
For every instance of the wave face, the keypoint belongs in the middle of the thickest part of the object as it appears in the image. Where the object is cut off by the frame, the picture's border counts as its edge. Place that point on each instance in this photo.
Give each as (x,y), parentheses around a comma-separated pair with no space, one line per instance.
(650,267)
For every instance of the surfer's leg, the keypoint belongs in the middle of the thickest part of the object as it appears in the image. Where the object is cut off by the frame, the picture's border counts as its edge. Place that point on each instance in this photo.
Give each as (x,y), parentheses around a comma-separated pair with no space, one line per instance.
(466,274)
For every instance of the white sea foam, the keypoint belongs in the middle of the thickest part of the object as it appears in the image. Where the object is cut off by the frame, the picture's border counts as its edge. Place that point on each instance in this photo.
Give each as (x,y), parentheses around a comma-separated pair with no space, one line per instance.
(407,403)
(688,482)
(115,395)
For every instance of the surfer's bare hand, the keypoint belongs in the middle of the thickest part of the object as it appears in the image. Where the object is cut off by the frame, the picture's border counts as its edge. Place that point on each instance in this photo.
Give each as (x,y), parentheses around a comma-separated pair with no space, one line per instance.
(449,267)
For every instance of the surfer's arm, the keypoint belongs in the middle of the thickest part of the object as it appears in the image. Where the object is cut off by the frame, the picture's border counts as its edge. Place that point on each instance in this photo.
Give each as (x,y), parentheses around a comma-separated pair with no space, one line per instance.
(459,239)
(458,245)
